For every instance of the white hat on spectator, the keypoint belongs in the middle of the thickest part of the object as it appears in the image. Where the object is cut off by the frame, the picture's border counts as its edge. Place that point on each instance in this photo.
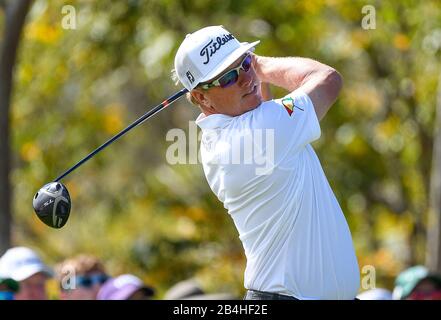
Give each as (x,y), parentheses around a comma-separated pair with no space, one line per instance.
(375,294)
(20,263)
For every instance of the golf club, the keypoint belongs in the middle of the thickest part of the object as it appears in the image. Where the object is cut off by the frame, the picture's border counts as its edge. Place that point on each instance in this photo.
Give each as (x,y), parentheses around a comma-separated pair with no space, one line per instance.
(52,202)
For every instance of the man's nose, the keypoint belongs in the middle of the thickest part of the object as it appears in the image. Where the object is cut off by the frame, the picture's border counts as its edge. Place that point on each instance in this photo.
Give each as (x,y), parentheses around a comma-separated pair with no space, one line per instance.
(245,78)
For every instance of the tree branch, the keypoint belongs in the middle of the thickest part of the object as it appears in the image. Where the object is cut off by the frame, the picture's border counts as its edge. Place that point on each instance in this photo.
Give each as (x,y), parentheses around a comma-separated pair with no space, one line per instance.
(433,251)
(15,14)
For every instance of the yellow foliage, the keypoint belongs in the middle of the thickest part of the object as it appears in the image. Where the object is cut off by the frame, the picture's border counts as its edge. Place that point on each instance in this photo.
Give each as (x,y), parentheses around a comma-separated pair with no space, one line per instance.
(25,72)
(360,38)
(30,151)
(37,227)
(53,289)
(61,72)
(223,272)
(386,129)
(44,33)
(112,119)
(389,223)
(185,228)
(312,7)
(73,189)
(383,261)
(357,147)
(401,42)
(81,55)
(196,214)
(414,181)
(364,98)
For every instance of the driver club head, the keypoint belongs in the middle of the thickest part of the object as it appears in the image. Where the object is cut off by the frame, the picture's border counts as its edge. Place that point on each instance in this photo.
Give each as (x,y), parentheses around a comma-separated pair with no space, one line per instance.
(52,204)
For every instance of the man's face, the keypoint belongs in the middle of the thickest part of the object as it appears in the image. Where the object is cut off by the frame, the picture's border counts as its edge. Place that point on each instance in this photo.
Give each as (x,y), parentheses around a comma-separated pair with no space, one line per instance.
(241,97)
(86,287)
(427,289)
(33,288)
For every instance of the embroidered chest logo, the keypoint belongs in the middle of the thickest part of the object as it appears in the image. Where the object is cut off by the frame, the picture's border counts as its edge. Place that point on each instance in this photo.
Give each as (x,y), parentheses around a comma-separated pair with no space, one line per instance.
(289,105)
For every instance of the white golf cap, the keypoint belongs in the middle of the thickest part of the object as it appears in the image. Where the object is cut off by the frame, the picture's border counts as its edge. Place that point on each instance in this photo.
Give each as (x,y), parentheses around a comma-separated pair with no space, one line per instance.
(20,263)
(207,52)
(375,294)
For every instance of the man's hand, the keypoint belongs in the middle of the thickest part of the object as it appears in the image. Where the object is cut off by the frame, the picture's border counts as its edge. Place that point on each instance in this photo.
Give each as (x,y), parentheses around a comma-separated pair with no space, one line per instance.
(320,82)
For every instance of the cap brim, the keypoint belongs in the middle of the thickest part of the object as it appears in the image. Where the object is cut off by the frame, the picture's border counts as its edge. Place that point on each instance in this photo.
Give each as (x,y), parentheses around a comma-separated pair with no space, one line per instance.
(28,271)
(229,61)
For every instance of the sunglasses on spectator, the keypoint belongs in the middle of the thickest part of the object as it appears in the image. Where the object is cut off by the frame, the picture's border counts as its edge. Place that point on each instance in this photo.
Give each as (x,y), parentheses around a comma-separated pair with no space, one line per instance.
(89,281)
(230,77)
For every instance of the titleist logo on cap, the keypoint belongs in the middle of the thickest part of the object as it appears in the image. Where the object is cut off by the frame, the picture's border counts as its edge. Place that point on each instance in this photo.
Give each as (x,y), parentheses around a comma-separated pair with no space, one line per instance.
(211,47)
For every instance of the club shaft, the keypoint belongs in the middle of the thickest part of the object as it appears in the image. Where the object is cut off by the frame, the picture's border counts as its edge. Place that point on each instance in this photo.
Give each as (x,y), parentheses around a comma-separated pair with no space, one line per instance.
(143,118)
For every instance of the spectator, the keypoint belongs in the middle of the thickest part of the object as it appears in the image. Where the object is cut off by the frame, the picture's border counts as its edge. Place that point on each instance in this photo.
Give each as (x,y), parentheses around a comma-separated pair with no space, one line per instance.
(190,290)
(8,287)
(125,287)
(417,283)
(26,267)
(81,277)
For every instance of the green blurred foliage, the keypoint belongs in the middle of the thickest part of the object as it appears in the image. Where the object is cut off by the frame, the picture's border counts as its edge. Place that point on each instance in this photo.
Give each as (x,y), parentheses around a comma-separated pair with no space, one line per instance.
(75,88)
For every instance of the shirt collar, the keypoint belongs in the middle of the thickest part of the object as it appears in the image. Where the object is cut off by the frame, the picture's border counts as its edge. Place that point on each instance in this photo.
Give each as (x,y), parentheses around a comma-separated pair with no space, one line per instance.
(213,121)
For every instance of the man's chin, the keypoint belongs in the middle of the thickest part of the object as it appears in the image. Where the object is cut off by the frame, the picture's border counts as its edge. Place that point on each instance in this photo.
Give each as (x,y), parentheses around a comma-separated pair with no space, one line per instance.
(256,101)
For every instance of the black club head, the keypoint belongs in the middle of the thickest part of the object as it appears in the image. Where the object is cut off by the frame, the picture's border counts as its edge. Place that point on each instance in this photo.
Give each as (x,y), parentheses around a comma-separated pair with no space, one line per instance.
(52,204)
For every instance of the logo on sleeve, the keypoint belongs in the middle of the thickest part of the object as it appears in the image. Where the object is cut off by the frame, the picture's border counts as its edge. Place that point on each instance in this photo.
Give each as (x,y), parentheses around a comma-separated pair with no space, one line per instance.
(289,105)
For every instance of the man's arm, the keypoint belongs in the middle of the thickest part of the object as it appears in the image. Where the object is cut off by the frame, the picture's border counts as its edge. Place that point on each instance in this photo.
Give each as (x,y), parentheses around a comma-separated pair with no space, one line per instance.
(320,82)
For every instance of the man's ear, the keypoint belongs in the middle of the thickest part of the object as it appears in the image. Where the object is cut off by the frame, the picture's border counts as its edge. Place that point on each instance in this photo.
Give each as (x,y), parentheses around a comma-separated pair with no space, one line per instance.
(202,100)
(198,96)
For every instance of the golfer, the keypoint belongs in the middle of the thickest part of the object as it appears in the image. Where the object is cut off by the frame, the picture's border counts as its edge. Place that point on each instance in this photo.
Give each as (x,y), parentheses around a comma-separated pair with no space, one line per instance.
(295,236)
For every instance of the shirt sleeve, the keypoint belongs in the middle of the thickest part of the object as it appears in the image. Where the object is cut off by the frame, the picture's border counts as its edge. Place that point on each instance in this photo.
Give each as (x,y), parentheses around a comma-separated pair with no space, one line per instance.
(293,119)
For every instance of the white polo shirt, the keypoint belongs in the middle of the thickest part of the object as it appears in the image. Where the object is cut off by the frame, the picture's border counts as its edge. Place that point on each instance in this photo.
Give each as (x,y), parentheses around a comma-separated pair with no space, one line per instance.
(262,167)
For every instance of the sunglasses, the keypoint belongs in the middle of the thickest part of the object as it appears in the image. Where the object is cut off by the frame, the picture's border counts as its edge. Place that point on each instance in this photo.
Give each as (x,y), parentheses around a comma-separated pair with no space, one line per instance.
(229,78)
(89,281)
